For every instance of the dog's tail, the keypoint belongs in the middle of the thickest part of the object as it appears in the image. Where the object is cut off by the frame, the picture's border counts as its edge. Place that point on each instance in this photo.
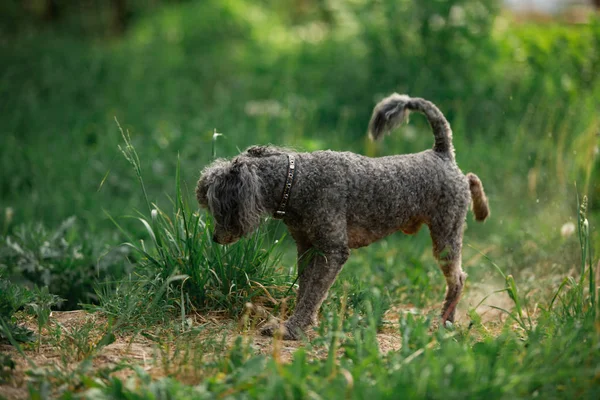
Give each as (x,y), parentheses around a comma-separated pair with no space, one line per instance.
(481,208)
(393,110)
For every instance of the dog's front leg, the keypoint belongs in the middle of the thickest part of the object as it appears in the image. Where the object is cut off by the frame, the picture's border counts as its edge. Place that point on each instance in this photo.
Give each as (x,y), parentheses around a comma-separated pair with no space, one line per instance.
(305,261)
(314,285)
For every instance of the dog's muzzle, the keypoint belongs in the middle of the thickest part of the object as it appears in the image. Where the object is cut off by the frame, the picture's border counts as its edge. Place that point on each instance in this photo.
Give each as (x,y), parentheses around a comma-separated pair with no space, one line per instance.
(225,239)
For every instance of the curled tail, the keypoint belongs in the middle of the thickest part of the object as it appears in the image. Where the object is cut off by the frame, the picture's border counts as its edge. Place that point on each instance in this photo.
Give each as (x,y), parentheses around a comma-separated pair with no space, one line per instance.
(481,208)
(393,110)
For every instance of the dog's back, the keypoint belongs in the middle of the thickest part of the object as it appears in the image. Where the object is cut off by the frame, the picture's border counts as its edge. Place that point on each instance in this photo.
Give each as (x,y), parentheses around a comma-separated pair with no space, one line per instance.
(380,196)
(394,109)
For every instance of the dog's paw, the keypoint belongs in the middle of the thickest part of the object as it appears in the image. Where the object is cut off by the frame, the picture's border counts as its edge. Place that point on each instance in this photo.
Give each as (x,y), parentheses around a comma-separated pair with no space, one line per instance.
(282,330)
(269,330)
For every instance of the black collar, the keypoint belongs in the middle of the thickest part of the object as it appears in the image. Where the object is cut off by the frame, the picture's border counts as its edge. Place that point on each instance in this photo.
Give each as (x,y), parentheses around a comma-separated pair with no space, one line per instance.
(280,213)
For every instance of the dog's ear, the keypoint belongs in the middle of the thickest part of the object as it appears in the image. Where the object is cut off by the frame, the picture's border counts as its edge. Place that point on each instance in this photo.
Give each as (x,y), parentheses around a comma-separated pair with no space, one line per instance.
(235,197)
(202,189)
(208,177)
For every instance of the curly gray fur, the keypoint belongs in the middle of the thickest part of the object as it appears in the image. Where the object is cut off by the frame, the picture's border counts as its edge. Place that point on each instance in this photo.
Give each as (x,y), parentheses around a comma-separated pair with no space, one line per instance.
(232,193)
(342,200)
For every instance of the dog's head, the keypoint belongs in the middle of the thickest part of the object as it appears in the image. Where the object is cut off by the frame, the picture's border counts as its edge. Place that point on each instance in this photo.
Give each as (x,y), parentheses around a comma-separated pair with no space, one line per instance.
(231,192)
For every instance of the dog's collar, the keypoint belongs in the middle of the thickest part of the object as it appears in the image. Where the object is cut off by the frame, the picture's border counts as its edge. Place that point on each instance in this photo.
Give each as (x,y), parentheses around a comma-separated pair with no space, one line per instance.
(280,213)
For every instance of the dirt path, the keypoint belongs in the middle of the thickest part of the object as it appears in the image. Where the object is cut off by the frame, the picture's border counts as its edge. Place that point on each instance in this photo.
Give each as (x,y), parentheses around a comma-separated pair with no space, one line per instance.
(61,354)
(71,337)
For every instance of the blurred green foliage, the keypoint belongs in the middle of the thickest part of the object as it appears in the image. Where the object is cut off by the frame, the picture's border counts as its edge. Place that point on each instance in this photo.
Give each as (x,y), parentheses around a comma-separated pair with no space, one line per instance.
(67,261)
(13,297)
(521,97)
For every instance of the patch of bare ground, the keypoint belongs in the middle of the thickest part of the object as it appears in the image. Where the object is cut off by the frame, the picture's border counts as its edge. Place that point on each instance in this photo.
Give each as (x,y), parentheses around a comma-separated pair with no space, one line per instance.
(192,350)
(160,353)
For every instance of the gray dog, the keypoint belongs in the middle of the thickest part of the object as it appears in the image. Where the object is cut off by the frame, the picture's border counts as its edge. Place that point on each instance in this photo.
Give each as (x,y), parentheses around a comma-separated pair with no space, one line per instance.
(332,202)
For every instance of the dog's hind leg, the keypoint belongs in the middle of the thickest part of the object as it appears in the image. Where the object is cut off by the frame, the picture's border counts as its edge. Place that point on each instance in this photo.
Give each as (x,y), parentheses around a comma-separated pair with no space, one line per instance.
(447,244)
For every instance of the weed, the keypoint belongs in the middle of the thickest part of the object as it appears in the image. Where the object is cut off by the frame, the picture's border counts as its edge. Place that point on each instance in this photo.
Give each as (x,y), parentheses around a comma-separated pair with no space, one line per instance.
(12,298)
(181,267)
(574,304)
(75,343)
(7,366)
(59,259)
(41,303)
(137,300)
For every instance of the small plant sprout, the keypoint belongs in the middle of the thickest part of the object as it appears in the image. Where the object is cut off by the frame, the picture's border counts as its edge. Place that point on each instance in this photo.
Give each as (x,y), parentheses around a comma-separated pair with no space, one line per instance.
(41,306)
(511,289)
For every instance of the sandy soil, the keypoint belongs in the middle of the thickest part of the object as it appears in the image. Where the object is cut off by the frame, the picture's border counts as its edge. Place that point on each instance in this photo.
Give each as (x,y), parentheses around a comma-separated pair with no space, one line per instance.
(165,352)
(146,351)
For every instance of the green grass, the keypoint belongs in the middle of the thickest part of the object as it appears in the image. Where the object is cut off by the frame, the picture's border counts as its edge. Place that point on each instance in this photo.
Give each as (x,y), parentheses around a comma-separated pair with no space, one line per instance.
(519,358)
(181,258)
(123,237)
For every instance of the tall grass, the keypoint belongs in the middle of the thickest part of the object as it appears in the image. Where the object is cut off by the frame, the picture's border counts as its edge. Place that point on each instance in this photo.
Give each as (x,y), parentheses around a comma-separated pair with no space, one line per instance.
(576,302)
(182,268)
(556,358)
